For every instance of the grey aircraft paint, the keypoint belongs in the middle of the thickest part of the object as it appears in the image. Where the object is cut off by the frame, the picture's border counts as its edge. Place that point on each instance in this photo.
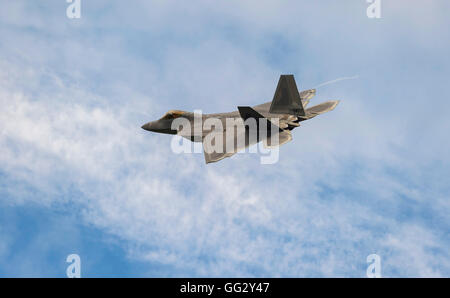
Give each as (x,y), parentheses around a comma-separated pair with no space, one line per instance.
(288,107)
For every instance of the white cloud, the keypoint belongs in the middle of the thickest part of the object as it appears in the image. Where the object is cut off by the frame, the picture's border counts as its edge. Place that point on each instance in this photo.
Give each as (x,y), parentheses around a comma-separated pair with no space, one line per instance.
(241,217)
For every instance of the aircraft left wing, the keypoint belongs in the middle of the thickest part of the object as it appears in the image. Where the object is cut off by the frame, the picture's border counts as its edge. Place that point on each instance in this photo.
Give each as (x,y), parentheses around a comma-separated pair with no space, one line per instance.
(211,155)
(231,146)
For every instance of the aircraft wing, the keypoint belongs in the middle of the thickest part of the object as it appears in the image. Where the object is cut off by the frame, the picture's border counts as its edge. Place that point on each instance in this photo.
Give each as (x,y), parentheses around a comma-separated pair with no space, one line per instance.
(211,155)
(248,112)
(286,99)
(230,145)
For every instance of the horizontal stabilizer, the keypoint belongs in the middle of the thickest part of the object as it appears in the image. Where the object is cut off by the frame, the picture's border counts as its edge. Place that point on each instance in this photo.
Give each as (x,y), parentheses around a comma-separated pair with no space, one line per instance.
(322,108)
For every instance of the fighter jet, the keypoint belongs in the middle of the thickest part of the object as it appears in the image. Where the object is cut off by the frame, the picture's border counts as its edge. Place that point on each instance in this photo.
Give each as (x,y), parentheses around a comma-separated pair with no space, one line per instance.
(274,122)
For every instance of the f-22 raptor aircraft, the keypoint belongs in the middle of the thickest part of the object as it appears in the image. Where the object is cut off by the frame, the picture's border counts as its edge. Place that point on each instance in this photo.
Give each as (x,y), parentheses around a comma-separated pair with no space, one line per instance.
(288,109)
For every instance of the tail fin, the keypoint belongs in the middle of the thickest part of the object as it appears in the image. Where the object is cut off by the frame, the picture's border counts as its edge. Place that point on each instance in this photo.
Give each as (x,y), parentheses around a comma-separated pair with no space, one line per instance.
(287,98)
(306,95)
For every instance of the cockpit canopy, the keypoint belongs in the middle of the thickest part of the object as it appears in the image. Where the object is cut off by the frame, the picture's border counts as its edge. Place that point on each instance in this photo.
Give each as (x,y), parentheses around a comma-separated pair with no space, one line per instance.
(172,114)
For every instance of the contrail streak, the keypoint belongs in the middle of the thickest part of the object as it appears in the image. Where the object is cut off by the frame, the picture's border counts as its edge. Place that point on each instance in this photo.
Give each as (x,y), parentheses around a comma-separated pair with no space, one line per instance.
(336,80)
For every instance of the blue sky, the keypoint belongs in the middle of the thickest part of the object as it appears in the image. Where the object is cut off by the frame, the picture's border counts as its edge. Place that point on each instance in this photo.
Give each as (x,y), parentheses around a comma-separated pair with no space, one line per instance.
(79,175)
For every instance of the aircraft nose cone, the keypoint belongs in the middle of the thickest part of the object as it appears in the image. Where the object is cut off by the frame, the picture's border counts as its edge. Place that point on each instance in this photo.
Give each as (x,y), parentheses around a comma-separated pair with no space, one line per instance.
(147,126)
